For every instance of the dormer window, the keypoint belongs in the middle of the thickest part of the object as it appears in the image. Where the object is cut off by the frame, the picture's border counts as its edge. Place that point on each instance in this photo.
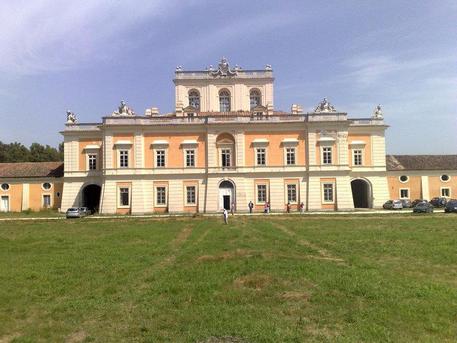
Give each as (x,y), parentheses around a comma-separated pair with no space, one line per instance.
(255,98)
(194,99)
(224,101)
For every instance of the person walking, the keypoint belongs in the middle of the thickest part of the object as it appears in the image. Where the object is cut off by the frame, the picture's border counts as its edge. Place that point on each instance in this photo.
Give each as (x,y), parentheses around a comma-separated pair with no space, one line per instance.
(288,207)
(225,214)
(268,207)
(251,206)
(265,208)
(302,207)
(232,208)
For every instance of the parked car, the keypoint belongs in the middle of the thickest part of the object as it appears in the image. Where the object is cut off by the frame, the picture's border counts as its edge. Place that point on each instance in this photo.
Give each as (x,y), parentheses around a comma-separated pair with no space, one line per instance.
(417,201)
(423,207)
(84,211)
(73,212)
(438,202)
(406,203)
(451,206)
(393,205)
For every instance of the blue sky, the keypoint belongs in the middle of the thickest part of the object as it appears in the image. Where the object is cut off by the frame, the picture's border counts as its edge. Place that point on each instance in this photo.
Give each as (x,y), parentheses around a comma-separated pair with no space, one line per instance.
(88,55)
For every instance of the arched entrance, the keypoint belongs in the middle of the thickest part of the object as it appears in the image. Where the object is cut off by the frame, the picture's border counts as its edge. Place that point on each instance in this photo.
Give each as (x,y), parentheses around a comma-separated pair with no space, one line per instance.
(91,197)
(226,194)
(361,193)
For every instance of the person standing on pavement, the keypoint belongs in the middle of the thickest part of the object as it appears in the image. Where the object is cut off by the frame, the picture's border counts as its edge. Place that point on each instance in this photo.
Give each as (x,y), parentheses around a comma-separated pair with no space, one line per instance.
(225,214)
(251,206)
(232,208)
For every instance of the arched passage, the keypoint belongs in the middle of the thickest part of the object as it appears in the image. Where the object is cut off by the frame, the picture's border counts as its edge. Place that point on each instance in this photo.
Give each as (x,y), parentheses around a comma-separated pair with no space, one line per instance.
(91,197)
(361,193)
(226,194)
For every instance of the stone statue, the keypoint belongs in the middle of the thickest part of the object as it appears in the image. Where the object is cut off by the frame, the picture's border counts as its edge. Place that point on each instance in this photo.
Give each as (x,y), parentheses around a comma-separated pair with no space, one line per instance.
(223,70)
(324,106)
(377,114)
(268,67)
(71,117)
(123,110)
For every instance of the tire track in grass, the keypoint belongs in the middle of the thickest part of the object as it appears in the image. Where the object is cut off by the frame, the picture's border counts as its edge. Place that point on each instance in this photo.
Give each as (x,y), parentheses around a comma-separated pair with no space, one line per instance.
(323,253)
(177,243)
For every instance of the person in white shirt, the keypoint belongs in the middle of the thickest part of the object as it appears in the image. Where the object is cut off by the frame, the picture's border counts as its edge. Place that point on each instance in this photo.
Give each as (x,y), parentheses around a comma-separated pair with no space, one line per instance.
(225,213)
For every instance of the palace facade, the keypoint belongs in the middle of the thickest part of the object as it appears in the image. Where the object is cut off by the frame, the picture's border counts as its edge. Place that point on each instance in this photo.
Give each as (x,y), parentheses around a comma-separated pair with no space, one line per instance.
(226,145)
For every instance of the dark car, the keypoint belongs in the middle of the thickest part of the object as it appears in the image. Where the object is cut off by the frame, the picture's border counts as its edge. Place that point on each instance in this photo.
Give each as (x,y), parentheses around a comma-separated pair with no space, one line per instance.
(423,207)
(438,202)
(392,205)
(406,203)
(451,206)
(73,212)
(417,201)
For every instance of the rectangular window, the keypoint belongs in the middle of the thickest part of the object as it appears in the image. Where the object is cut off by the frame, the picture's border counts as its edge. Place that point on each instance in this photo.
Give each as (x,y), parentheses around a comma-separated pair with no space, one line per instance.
(357,157)
(328,192)
(290,156)
(190,195)
(326,155)
(124,199)
(190,158)
(404,193)
(161,196)
(261,156)
(445,192)
(92,162)
(160,158)
(46,201)
(261,193)
(226,157)
(292,193)
(123,158)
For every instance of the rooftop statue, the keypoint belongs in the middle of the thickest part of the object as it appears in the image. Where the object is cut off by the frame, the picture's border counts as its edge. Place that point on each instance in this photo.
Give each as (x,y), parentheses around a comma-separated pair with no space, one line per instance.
(223,70)
(377,113)
(71,117)
(123,110)
(324,106)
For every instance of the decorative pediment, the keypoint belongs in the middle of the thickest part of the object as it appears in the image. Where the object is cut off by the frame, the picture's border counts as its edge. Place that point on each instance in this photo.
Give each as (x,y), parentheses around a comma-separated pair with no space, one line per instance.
(123,110)
(324,107)
(223,70)
(190,109)
(259,108)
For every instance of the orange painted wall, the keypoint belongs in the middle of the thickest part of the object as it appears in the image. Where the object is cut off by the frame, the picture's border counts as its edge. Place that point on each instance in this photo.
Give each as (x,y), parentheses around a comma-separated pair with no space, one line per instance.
(325,206)
(15,196)
(82,153)
(123,137)
(175,151)
(414,184)
(275,148)
(367,160)
(435,184)
(160,209)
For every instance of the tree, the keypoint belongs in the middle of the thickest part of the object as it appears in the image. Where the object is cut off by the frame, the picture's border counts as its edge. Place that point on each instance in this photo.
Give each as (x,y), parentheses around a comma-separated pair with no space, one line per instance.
(17,152)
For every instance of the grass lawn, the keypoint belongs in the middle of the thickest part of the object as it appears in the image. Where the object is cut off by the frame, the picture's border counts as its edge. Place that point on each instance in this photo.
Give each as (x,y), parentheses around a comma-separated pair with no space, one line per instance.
(262,279)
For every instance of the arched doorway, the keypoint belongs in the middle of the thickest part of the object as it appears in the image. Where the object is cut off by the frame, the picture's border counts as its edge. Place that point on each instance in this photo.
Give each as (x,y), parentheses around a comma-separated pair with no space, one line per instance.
(226,194)
(361,193)
(91,197)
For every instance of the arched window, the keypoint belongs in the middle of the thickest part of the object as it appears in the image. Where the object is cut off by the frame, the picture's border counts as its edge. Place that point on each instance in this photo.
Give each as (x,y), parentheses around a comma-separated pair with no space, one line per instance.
(255,98)
(224,101)
(194,99)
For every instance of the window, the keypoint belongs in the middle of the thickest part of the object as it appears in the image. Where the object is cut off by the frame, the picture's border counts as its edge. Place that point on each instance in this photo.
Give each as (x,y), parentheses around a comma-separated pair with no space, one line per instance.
(160,158)
(46,186)
(190,195)
(161,196)
(328,192)
(226,155)
(190,158)
(92,162)
(194,99)
(445,178)
(290,156)
(292,193)
(124,199)
(261,193)
(403,178)
(326,155)
(46,201)
(261,156)
(224,101)
(404,193)
(123,158)
(255,99)
(446,192)
(5,187)
(357,157)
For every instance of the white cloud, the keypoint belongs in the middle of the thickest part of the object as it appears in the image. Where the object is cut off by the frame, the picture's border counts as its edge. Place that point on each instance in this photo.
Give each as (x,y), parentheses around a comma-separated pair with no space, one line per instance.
(47,35)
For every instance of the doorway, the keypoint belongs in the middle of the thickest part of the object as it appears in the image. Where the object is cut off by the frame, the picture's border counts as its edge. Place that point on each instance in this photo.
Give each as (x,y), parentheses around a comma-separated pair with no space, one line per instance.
(5,203)
(361,193)
(226,195)
(91,197)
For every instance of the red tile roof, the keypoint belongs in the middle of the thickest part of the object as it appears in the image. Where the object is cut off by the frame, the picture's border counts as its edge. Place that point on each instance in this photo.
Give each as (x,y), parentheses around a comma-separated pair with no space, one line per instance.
(421,162)
(31,169)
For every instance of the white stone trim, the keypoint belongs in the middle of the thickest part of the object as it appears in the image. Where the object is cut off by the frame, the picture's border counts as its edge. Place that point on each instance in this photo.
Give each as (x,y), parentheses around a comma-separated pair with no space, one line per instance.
(155,156)
(155,195)
(44,189)
(51,200)
(446,181)
(159,142)
(446,196)
(407,178)
(260,141)
(291,141)
(189,142)
(195,204)
(403,189)
(9,202)
(326,202)
(92,147)
(185,150)
(119,196)
(323,140)
(122,142)
(357,143)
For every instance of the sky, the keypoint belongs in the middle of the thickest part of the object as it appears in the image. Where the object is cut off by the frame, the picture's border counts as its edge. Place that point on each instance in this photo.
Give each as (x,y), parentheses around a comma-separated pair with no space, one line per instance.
(88,55)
